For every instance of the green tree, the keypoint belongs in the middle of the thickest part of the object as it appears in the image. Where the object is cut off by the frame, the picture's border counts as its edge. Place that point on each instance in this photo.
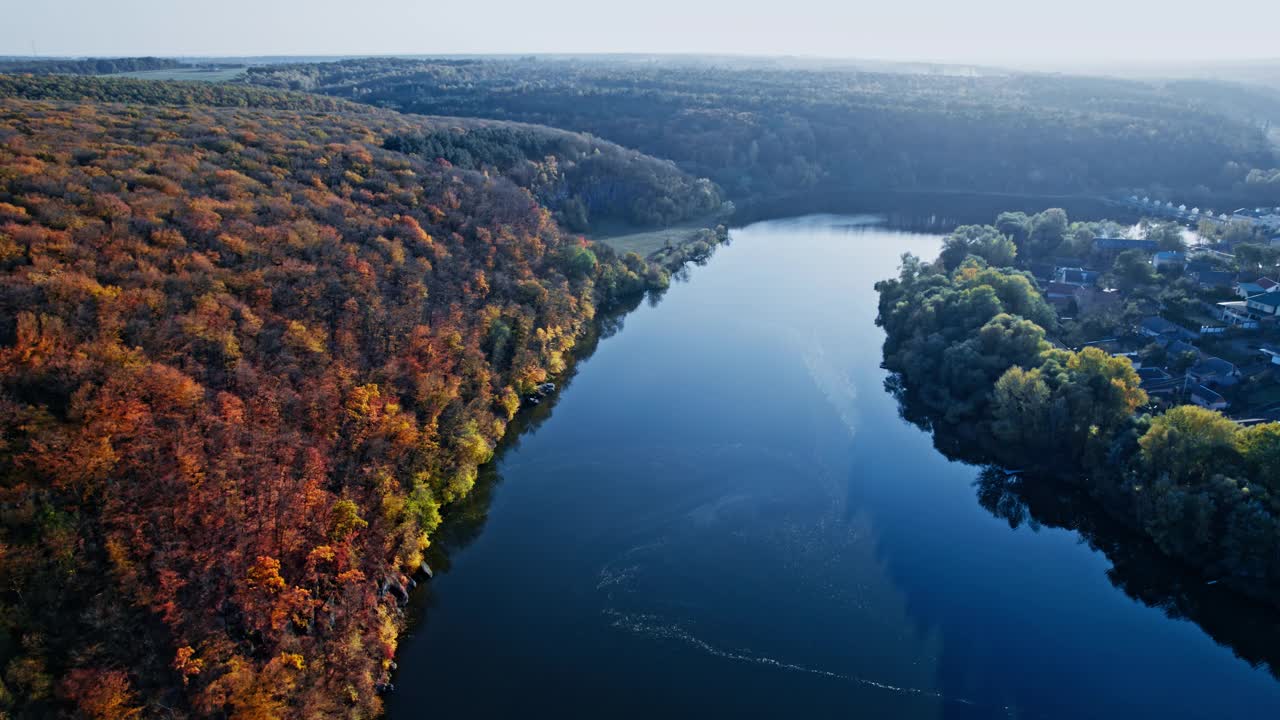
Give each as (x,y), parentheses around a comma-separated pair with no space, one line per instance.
(982,241)
(1094,394)
(1132,270)
(1183,361)
(1019,408)
(1241,231)
(1259,447)
(578,261)
(1048,230)
(1189,444)
(1014,225)
(1169,235)
(1254,257)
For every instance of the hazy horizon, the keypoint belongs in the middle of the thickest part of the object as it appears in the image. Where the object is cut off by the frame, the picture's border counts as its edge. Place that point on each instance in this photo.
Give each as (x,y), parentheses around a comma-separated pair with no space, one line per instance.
(1007,32)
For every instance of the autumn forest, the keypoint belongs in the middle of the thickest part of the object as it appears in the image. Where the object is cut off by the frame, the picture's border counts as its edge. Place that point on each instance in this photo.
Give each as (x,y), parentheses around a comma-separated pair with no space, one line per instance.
(248,355)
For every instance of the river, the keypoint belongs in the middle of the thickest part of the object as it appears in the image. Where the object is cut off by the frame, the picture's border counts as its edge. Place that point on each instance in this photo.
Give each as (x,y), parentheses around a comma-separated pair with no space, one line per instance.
(724,515)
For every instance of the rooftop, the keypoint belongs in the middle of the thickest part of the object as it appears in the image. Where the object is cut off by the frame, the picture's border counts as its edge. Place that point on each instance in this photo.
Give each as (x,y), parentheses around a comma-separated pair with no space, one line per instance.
(1208,396)
(1152,373)
(1160,326)
(1213,366)
(1177,347)
(1215,277)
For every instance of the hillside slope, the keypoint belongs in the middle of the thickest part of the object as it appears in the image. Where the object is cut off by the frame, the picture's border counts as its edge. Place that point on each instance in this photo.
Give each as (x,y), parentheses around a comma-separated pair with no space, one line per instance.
(585,181)
(246,357)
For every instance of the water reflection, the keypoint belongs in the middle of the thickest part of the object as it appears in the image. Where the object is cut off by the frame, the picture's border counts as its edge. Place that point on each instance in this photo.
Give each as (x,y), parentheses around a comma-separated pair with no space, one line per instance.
(1249,629)
(465,519)
(725,517)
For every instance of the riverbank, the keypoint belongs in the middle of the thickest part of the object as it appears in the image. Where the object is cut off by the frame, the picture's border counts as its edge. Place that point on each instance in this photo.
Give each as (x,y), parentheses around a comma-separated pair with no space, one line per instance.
(670,248)
(969,350)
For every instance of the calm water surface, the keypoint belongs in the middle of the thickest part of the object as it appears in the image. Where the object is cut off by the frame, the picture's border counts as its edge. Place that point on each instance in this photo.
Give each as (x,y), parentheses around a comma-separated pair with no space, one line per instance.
(725,516)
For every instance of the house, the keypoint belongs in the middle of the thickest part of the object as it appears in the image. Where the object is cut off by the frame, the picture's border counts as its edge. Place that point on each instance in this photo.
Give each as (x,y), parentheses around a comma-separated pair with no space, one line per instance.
(1266,304)
(1206,398)
(1043,272)
(1236,314)
(1060,295)
(1253,287)
(1055,290)
(1152,374)
(1214,371)
(1267,284)
(1245,289)
(1272,354)
(1175,348)
(1211,279)
(1166,386)
(1210,322)
(1199,265)
(1157,327)
(1076,276)
(1168,258)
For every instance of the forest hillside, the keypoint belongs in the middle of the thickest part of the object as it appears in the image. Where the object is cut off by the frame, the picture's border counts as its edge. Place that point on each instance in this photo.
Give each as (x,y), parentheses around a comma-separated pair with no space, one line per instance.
(247,356)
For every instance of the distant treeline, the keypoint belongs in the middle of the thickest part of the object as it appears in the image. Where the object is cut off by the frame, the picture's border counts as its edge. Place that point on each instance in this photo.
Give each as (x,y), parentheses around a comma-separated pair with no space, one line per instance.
(89,66)
(967,343)
(154,92)
(580,178)
(765,133)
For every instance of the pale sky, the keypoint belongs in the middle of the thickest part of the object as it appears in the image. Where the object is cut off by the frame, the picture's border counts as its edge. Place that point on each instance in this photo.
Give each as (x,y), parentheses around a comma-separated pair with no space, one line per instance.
(1036,31)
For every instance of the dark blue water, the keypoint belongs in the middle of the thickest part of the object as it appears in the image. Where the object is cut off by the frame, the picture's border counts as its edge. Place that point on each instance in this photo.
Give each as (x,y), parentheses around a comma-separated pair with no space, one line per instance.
(725,516)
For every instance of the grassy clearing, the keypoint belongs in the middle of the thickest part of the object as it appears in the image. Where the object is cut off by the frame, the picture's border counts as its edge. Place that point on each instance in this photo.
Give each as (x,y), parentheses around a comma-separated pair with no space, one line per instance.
(647,243)
(626,238)
(220,75)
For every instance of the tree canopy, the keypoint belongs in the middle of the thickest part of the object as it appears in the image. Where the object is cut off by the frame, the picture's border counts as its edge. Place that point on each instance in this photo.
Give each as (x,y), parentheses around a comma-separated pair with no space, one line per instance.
(246,358)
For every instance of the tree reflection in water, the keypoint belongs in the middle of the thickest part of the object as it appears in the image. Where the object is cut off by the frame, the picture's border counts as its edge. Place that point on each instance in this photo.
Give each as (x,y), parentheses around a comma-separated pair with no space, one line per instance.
(1251,630)
(464,520)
